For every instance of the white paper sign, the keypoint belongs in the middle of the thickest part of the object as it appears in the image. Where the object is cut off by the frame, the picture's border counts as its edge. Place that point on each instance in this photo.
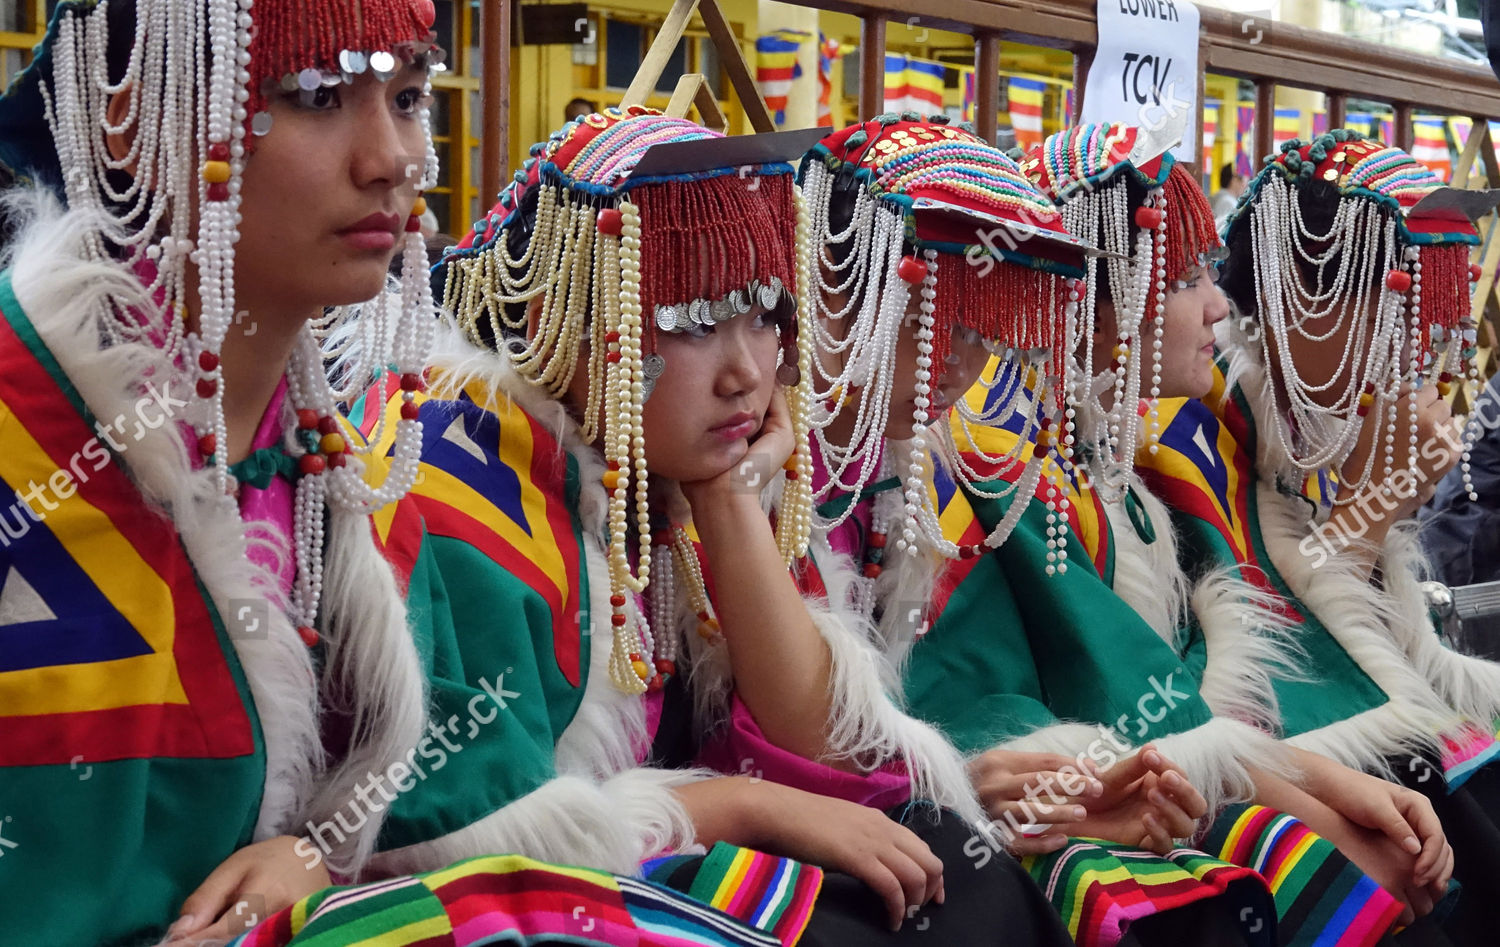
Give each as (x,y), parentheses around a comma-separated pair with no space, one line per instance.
(1145,69)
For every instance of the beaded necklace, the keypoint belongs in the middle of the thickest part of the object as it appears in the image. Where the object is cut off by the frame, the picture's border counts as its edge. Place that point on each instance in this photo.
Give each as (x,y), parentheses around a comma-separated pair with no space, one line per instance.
(197,75)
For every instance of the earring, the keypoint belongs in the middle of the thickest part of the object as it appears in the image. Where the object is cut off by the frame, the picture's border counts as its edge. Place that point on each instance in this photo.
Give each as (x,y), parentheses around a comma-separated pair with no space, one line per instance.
(651,367)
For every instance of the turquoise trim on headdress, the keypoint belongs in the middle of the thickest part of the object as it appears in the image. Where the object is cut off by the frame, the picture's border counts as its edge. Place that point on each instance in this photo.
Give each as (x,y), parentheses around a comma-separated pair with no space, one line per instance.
(1290,165)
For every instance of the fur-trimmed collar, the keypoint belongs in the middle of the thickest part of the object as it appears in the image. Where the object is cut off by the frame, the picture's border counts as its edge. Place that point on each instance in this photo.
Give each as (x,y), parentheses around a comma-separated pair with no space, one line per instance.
(371,662)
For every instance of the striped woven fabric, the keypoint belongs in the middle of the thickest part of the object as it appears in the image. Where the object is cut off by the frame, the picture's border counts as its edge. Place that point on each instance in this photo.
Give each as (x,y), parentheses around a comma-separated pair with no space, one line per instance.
(512,900)
(1317,897)
(769,893)
(1099,888)
(1322,898)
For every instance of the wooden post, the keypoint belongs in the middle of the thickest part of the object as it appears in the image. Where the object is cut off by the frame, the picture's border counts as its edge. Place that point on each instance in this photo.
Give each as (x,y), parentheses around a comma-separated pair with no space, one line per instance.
(987,86)
(1265,121)
(872,66)
(1338,109)
(494,101)
(1402,131)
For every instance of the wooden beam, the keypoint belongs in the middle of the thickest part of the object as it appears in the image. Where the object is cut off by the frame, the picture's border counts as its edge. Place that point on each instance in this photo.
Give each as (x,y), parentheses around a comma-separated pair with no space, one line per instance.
(494,102)
(872,66)
(987,86)
(693,91)
(1265,121)
(660,53)
(741,78)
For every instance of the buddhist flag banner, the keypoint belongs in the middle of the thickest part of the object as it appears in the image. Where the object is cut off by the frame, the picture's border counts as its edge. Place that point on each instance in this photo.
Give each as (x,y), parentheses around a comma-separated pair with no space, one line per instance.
(776,66)
(828,51)
(1210,125)
(1026,97)
(913,85)
(1430,146)
(1244,141)
(1288,126)
(1359,121)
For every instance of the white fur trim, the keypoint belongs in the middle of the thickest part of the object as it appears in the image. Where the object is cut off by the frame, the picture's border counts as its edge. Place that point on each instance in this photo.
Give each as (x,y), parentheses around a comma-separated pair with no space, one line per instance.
(601,809)
(1148,576)
(1468,684)
(1356,613)
(613,824)
(375,676)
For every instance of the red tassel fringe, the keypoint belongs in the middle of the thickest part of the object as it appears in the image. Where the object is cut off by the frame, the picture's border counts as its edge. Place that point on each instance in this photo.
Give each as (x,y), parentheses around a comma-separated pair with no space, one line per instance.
(701,239)
(292,35)
(1190,222)
(1019,306)
(1445,285)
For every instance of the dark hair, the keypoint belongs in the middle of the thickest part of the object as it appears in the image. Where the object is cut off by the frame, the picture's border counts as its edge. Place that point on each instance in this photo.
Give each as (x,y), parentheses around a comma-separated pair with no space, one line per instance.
(1319,203)
(580,100)
(1227,175)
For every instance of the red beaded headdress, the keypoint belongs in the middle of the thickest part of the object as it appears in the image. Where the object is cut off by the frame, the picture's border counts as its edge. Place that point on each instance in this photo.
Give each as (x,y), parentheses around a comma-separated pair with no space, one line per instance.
(620,226)
(933,209)
(1399,239)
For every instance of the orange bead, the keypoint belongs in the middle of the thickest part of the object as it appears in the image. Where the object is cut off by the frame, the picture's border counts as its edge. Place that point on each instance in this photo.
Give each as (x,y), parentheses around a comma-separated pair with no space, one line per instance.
(332,444)
(641,670)
(611,479)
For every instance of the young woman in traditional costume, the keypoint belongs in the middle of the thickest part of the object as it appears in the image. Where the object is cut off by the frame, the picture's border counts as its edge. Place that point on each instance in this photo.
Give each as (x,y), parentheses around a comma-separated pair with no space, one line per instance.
(1057,622)
(627,372)
(1326,429)
(202,651)
(201,646)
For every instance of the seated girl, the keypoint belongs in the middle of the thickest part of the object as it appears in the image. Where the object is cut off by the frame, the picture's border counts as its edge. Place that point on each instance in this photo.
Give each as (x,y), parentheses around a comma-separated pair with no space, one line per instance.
(589,546)
(1325,429)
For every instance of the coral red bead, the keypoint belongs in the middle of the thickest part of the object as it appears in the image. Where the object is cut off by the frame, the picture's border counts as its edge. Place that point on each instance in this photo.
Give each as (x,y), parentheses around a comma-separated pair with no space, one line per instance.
(1149,218)
(611,336)
(312,464)
(877,540)
(207,444)
(207,387)
(413,224)
(218,192)
(409,411)
(338,460)
(655,684)
(1398,281)
(411,381)
(307,419)
(609,222)
(617,600)
(613,356)
(666,667)
(208,361)
(967,552)
(218,151)
(327,425)
(1475,271)
(617,619)
(308,635)
(1143,407)
(871,570)
(911,269)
